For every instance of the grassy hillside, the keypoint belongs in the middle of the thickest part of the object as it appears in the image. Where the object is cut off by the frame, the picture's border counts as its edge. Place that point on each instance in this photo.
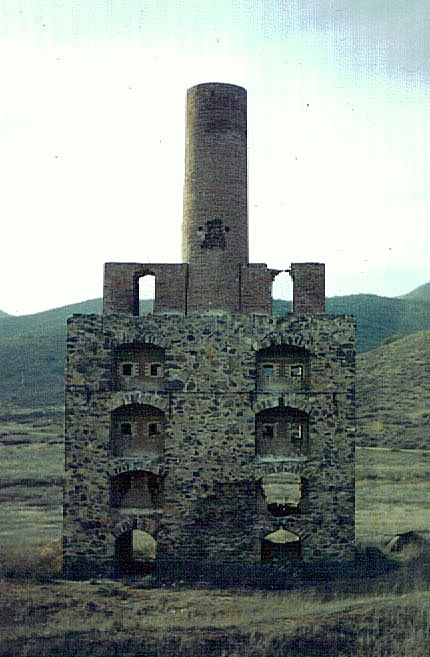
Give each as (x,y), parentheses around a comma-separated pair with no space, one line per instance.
(378,318)
(421,293)
(393,393)
(32,370)
(49,322)
(32,354)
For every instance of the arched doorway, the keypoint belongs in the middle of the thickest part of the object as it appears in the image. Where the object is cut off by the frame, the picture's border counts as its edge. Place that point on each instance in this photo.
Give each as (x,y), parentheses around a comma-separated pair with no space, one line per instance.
(136,489)
(280,546)
(146,295)
(135,553)
(282,293)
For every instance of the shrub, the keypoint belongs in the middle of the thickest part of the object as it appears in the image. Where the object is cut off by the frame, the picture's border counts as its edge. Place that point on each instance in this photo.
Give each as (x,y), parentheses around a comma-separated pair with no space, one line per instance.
(40,562)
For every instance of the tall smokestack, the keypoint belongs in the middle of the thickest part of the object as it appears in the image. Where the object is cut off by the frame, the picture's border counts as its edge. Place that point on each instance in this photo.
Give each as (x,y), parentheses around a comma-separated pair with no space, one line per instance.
(215,224)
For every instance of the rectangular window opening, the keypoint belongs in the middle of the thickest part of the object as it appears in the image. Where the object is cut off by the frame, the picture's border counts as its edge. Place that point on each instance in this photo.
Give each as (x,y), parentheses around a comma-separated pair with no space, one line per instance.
(268,370)
(268,431)
(155,369)
(153,429)
(297,371)
(126,429)
(127,369)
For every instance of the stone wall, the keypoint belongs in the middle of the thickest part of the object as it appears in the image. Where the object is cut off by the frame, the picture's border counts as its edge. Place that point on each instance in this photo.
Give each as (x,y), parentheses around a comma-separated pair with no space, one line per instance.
(209,503)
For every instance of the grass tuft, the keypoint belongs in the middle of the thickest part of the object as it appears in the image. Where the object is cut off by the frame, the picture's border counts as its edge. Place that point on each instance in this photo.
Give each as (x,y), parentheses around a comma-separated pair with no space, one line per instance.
(38,563)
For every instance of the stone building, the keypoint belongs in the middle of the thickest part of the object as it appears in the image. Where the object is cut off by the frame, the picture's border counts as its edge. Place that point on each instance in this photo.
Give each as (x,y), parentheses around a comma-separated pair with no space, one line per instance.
(222,431)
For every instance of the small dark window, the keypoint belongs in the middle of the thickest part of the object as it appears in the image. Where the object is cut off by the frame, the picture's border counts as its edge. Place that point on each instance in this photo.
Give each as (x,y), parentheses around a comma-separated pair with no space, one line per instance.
(126,429)
(297,371)
(268,370)
(268,430)
(155,369)
(153,429)
(127,369)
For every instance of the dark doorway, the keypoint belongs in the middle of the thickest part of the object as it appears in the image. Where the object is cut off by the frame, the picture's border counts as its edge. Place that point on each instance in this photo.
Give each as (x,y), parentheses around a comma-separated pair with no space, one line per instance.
(280,546)
(135,553)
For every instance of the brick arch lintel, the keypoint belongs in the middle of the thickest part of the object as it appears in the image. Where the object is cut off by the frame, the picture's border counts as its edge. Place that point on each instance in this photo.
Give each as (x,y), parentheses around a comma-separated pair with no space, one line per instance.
(277,338)
(122,399)
(292,400)
(270,527)
(149,524)
(138,463)
(145,270)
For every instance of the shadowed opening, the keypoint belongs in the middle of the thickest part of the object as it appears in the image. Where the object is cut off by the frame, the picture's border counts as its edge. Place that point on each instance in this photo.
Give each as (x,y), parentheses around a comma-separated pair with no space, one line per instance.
(135,553)
(281,545)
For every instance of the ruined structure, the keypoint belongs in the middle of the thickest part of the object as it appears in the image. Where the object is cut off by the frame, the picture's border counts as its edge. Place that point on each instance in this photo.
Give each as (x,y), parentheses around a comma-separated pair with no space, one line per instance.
(225,433)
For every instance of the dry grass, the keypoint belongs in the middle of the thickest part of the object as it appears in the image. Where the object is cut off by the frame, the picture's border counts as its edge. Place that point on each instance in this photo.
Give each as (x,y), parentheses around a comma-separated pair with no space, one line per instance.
(40,562)
(389,618)
(392,492)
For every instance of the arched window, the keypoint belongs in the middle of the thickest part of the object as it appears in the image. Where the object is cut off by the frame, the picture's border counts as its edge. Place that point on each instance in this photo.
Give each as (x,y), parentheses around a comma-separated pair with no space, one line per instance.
(137,430)
(282,367)
(281,431)
(146,294)
(282,293)
(136,489)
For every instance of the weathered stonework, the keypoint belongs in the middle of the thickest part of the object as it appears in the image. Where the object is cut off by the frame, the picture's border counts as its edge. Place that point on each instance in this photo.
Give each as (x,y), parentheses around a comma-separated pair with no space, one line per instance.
(176,423)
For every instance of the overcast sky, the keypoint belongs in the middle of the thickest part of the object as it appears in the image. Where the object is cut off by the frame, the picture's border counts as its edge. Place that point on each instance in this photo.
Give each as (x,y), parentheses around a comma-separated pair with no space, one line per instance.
(92,123)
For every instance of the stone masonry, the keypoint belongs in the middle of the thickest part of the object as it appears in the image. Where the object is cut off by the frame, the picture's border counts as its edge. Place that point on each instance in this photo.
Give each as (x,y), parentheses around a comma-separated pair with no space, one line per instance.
(225,433)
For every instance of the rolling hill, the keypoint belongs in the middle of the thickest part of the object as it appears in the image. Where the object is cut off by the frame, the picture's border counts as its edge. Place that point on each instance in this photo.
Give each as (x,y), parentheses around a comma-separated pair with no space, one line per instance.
(32,354)
(393,393)
(421,293)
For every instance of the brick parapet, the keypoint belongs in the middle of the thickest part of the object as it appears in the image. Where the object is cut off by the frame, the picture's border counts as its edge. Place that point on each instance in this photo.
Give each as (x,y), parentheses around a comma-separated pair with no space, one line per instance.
(121,287)
(308,288)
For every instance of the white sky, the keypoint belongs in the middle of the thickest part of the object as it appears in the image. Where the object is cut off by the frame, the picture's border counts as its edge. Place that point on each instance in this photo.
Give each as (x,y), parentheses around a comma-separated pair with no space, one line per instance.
(92,121)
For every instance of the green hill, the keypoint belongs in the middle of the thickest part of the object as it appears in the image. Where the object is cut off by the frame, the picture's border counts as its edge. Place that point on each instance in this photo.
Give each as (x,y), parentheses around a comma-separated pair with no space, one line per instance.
(393,393)
(421,293)
(47,322)
(378,318)
(32,354)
